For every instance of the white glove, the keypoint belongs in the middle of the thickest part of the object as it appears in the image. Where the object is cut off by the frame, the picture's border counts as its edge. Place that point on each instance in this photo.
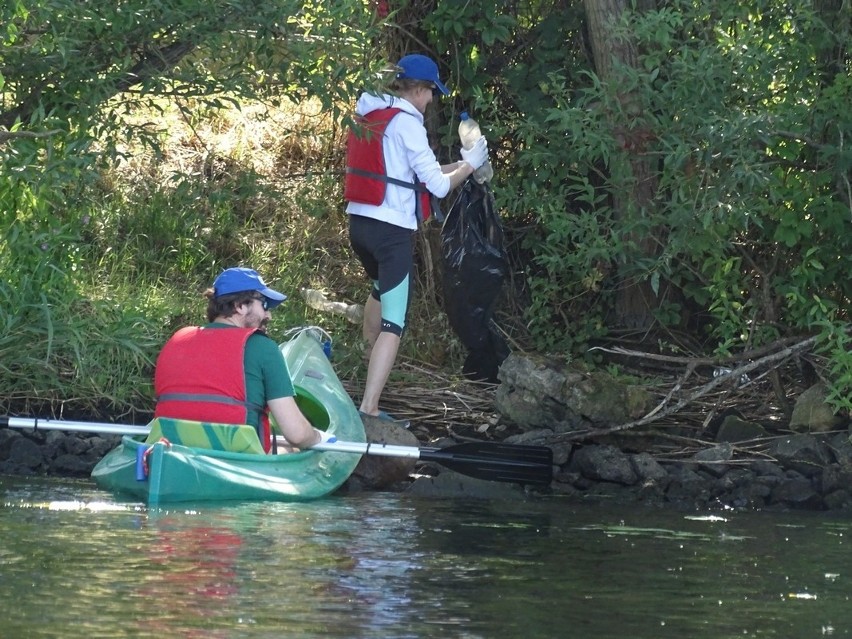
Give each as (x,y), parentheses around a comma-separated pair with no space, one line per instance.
(477,155)
(325,437)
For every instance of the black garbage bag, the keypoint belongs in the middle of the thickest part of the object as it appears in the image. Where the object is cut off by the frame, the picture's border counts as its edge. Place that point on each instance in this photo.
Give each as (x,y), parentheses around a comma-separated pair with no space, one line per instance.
(475,266)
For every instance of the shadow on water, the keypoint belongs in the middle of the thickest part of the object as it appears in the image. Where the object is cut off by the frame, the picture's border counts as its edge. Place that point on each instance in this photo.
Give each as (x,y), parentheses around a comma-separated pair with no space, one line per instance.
(75,562)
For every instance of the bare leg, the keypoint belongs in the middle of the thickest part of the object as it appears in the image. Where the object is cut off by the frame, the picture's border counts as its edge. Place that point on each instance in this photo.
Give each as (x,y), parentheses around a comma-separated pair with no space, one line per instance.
(372,324)
(381,361)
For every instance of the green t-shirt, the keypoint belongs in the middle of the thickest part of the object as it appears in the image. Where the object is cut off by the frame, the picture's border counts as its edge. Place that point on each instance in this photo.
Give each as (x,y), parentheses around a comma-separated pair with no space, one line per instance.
(266,373)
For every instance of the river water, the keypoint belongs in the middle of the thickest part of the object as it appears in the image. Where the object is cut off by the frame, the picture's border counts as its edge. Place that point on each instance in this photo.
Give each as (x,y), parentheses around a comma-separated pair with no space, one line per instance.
(76,562)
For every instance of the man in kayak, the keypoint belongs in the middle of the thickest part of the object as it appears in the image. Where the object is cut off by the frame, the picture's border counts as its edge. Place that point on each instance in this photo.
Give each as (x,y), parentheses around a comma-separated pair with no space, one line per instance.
(391,173)
(230,371)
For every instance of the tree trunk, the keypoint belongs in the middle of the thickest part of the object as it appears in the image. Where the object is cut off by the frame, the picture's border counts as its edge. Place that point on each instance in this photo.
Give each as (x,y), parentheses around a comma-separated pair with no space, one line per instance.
(634,168)
(835,54)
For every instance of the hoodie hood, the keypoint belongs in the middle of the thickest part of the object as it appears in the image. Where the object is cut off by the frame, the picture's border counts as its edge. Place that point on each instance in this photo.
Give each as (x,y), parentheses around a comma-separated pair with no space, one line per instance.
(369,102)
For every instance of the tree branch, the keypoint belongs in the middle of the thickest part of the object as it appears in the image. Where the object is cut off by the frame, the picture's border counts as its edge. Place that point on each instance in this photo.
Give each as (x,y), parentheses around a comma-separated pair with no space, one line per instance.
(706,361)
(660,411)
(151,64)
(11,135)
(154,63)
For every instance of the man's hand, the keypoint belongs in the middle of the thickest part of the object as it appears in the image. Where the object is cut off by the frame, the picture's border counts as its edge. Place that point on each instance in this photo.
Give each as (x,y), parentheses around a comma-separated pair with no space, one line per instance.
(324,437)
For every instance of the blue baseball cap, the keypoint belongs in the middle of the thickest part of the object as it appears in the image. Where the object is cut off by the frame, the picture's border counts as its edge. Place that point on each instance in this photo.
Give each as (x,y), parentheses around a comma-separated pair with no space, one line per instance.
(420,67)
(239,279)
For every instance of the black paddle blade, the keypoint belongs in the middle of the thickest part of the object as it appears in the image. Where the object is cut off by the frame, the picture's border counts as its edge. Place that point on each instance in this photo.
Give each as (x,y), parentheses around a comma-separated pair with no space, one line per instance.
(496,462)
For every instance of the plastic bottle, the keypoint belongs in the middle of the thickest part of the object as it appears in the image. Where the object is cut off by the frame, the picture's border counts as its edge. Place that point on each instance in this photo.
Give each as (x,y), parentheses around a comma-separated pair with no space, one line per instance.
(469,133)
(317,300)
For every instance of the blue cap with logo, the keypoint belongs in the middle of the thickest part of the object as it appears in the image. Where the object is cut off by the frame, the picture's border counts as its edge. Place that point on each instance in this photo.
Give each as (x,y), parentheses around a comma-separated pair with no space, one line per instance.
(239,279)
(420,67)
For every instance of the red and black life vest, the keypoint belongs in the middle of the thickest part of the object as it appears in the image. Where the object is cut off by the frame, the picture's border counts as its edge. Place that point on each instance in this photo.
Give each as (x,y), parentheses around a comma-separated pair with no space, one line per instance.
(366,174)
(200,376)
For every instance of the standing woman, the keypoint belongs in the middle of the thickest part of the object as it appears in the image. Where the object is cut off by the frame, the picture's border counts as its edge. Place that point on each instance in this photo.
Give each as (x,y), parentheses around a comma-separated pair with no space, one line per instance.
(391,172)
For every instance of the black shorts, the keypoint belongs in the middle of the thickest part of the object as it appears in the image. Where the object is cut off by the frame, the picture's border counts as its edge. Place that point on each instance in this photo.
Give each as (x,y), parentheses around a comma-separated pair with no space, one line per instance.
(386,252)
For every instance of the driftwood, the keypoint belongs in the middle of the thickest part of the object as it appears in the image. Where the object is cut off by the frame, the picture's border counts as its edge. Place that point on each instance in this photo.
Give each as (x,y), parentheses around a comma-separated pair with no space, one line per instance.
(771,356)
(441,405)
(438,405)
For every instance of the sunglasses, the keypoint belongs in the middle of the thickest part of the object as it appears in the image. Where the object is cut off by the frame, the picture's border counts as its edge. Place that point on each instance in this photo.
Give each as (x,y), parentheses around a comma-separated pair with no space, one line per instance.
(264,302)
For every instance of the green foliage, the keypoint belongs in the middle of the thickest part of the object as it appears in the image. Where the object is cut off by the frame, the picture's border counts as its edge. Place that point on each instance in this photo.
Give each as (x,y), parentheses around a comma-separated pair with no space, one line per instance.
(836,347)
(84,68)
(741,111)
(53,337)
(749,184)
(56,341)
(515,71)
(85,255)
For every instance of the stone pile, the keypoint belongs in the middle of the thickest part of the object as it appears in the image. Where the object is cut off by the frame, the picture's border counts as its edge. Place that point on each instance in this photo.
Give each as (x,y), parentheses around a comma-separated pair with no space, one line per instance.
(806,463)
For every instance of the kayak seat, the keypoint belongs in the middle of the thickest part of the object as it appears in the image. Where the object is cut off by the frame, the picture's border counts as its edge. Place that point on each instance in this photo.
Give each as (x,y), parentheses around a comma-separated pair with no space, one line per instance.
(184,432)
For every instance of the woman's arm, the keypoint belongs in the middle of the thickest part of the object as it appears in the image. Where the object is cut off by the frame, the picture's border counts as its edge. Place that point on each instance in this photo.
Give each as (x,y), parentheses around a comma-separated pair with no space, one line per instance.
(458,172)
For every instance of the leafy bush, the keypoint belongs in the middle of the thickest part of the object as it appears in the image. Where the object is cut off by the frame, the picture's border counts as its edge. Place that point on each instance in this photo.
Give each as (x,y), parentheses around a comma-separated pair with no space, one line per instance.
(54,337)
(126,200)
(741,114)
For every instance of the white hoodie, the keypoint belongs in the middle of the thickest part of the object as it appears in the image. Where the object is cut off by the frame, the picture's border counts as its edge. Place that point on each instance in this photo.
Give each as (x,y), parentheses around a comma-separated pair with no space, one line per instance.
(407,153)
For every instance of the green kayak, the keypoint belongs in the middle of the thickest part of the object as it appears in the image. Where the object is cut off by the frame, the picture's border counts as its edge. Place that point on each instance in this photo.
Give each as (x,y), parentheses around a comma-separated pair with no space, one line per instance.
(182,461)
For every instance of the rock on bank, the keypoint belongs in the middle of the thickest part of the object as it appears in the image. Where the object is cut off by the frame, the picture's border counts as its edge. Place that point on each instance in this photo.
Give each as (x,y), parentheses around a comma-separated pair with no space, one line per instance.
(735,464)
(52,452)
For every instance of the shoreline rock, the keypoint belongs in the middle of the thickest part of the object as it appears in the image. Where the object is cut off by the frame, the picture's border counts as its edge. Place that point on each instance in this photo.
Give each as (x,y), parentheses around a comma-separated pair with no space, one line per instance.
(808,472)
(52,452)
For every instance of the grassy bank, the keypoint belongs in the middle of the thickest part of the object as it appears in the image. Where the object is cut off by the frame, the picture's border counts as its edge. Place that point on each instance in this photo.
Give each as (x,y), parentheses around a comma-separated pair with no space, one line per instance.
(131,253)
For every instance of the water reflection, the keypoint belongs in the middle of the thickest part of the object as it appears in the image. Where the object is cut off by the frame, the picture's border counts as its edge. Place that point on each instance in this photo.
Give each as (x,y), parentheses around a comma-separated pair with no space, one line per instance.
(191,571)
(75,562)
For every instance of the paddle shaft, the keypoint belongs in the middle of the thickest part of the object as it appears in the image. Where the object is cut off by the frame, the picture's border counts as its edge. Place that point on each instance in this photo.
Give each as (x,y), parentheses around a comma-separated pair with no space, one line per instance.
(451,453)
(485,460)
(98,428)
(383,450)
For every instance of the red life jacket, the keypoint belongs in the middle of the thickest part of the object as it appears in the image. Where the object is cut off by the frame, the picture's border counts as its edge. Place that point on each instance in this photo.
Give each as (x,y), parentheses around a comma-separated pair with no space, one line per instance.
(366,175)
(200,376)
